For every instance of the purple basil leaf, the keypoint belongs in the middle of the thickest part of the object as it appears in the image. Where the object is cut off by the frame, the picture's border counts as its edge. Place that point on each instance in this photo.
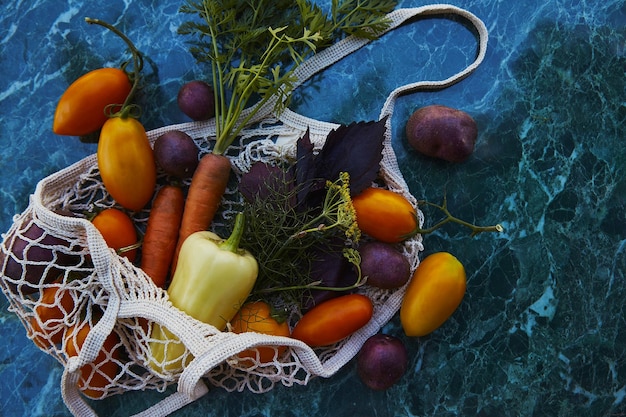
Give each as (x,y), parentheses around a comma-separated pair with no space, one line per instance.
(266,182)
(331,269)
(305,170)
(356,149)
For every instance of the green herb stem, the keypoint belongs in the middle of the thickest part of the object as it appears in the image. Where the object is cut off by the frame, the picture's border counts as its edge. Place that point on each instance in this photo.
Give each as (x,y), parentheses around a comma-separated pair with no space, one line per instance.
(450,218)
(360,281)
(255,49)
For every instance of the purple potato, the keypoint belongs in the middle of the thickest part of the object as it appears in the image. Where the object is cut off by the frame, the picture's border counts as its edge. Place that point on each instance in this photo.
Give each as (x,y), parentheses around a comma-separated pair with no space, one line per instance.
(384,265)
(196,100)
(442,132)
(176,154)
(31,265)
(382,361)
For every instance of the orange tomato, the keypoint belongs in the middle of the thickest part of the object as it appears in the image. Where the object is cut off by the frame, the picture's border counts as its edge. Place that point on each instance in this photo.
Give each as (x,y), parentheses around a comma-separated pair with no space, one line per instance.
(126,162)
(257,317)
(385,215)
(434,293)
(333,320)
(54,304)
(97,375)
(80,110)
(118,230)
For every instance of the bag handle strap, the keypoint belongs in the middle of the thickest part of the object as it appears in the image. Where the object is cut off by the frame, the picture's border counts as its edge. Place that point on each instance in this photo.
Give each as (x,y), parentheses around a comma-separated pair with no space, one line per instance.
(334,53)
(437,9)
(346,46)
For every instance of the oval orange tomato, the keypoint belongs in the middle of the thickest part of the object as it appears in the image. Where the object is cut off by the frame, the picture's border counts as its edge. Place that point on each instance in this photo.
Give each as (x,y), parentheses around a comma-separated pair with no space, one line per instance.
(257,317)
(333,320)
(126,162)
(80,110)
(434,293)
(385,215)
(48,327)
(118,230)
(97,375)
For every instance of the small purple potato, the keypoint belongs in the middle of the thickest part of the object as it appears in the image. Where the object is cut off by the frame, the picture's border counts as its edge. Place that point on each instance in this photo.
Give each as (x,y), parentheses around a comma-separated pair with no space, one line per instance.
(382,361)
(176,154)
(196,100)
(35,259)
(442,132)
(384,265)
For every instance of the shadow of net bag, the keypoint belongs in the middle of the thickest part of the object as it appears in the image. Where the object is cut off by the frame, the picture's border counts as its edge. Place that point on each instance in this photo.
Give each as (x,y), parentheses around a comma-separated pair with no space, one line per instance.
(100,308)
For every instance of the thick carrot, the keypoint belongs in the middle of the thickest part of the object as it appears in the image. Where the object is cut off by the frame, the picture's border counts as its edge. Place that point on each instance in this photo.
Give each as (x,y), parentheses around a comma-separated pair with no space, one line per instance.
(159,242)
(206,190)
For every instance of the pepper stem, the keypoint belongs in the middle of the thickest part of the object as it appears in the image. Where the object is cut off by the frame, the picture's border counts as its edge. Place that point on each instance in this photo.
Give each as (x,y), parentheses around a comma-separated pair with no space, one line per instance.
(137,63)
(232,243)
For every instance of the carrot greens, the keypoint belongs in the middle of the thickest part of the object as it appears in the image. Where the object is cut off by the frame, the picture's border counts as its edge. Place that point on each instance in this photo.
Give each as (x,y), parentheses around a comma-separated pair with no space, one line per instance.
(254,47)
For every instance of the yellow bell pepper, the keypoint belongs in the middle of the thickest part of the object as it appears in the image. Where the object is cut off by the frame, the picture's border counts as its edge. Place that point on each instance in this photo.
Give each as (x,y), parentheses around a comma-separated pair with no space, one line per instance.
(212,280)
(434,293)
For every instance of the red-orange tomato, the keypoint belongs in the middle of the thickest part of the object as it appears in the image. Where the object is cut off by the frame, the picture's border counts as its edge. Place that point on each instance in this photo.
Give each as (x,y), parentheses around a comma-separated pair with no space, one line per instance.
(118,230)
(333,320)
(80,110)
(385,215)
(126,162)
(257,317)
(48,327)
(97,375)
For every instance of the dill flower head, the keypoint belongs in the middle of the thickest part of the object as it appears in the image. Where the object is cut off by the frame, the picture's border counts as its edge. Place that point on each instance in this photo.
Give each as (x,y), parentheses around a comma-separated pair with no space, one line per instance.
(339,205)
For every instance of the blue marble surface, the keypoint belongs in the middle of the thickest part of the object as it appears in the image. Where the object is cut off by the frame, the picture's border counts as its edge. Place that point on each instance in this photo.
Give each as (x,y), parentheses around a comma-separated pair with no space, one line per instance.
(542,330)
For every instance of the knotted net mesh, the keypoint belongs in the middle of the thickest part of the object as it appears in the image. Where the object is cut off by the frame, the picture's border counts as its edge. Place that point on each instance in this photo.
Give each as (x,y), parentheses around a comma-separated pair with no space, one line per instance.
(61,278)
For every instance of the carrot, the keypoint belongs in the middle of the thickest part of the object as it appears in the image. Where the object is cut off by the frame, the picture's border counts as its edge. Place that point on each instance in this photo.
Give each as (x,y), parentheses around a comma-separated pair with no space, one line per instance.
(161,236)
(207,187)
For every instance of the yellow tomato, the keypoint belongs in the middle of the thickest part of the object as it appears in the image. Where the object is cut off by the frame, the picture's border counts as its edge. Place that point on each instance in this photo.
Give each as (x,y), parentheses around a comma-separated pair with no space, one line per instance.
(257,317)
(97,376)
(118,231)
(434,293)
(81,109)
(55,303)
(385,215)
(126,162)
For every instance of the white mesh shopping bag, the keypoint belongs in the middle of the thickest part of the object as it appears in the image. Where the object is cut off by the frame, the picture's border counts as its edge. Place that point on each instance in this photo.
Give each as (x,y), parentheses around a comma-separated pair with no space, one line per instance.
(99,304)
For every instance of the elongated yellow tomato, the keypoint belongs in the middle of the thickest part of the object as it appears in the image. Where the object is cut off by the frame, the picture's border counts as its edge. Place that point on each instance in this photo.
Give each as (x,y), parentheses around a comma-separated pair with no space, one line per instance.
(126,162)
(434,293)
(80,110)
(385,215)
